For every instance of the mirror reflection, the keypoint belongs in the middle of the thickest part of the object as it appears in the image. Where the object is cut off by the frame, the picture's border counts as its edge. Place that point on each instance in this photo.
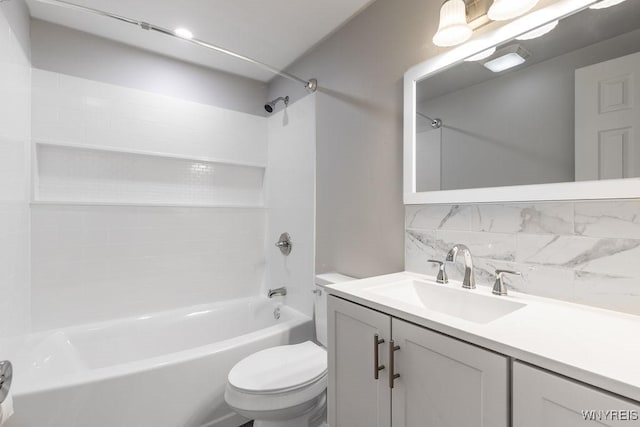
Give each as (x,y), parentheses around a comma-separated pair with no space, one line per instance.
(559,104)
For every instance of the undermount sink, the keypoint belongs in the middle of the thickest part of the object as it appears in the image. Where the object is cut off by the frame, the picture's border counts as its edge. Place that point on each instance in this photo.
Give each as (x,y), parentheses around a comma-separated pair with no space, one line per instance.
(463,304)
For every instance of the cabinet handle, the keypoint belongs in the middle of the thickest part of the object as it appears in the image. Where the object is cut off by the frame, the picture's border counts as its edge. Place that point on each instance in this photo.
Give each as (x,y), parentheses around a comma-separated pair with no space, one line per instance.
(376,362)
(392,363)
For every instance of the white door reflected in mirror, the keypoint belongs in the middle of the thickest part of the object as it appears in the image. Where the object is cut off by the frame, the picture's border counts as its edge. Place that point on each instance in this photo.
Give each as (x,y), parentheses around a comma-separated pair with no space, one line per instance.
(608,119)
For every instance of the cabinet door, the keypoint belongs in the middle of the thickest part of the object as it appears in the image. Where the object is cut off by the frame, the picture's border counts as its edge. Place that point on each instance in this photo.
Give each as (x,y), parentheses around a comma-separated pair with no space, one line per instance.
(355,397)
(542,399)
(447,383)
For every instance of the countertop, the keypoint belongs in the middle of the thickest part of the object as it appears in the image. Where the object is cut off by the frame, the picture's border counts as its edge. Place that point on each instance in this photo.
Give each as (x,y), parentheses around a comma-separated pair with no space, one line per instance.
(595,346)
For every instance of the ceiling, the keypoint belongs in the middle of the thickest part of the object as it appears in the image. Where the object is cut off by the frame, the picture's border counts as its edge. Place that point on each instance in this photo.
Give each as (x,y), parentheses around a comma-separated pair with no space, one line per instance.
(276,32)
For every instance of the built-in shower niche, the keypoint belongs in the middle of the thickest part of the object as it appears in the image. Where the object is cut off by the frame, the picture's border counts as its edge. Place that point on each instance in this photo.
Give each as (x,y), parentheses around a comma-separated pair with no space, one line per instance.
(77,174)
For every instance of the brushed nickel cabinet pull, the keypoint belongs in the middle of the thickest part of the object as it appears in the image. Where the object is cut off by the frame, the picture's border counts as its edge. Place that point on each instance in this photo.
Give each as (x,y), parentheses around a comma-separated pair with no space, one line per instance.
(392,363)
(376,362)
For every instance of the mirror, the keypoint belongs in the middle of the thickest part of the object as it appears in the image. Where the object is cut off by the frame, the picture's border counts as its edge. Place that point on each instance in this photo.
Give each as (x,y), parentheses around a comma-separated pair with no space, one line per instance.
(563,107)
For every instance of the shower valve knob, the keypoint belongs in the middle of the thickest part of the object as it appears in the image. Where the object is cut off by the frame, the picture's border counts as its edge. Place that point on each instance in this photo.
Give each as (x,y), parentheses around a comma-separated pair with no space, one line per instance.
(284,243)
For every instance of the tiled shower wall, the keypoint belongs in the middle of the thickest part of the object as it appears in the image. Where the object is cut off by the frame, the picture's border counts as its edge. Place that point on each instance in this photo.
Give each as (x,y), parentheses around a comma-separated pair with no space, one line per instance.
(92,263)
(583,252)
(291,201)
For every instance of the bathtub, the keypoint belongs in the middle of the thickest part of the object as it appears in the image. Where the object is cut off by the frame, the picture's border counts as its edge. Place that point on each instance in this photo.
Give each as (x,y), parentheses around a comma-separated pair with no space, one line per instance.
(165,369)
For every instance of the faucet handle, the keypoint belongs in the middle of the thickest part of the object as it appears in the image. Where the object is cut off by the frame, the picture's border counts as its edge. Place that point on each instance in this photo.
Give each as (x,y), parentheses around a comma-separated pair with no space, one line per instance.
(442,273)
(284,244)
(499,287)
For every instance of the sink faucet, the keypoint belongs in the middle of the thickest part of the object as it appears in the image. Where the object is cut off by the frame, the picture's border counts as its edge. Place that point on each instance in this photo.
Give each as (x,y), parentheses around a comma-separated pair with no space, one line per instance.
(278,291)
(469,281)
(442,272)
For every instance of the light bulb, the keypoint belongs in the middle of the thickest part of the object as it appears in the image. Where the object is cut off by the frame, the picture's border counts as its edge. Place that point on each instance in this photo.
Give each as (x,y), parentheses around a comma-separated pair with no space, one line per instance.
(453,28)
(183,33)
(503,10)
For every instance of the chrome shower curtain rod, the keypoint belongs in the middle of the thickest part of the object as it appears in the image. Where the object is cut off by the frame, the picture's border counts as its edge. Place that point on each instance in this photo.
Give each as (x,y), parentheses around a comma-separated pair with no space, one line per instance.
(311,85)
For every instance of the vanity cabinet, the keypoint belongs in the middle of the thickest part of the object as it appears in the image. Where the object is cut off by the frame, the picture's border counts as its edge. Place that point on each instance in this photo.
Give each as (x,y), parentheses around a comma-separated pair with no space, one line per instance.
(442,381)
(543,399)
(445,382)
(355,398)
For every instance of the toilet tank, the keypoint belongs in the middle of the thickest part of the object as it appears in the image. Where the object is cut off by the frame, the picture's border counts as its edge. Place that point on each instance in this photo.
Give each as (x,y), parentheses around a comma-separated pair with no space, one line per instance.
(320,302)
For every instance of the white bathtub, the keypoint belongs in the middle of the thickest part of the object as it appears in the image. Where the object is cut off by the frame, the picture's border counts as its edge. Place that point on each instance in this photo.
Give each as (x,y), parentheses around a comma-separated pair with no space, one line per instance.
(166,369)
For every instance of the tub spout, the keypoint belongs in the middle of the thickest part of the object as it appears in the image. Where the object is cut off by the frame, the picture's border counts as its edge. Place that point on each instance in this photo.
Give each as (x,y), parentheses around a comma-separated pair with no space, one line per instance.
(279,291)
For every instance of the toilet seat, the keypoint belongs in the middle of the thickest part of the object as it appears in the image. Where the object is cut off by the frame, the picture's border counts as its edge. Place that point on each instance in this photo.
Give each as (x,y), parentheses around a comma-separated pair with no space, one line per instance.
(280,369)
(278,378)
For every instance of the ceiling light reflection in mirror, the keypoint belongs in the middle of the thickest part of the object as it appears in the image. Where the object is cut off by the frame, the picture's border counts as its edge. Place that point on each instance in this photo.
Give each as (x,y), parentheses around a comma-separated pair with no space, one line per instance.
(510,113)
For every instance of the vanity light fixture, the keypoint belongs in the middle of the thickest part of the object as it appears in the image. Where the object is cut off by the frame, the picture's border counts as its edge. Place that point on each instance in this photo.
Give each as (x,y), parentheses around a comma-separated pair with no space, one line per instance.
(453,29)
(183,33)
(539,32)
(503,10)
(482,55)
(605,3)
(508,57)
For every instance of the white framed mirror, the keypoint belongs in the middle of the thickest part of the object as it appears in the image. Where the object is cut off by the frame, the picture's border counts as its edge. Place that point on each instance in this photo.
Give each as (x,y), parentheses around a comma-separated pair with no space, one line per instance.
(561,124)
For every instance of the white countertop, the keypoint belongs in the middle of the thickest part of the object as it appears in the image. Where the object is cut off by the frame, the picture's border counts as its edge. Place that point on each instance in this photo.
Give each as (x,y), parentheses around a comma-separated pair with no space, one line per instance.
(595,346)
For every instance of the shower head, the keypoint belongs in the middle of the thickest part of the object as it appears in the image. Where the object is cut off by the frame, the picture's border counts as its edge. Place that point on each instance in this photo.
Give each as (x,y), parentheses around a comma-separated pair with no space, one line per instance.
(269,106)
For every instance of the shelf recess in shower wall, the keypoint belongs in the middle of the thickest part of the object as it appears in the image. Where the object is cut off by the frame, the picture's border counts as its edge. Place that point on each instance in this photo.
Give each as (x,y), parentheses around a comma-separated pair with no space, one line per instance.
(72,174)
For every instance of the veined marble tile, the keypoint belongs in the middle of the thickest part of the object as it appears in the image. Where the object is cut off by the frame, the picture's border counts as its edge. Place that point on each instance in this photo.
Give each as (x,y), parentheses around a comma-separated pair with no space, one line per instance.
(439,217)
(613,219)
(604,256)
(498,246)
(542,281)
(419,248)
(539,218)
(485,269)
(608,291)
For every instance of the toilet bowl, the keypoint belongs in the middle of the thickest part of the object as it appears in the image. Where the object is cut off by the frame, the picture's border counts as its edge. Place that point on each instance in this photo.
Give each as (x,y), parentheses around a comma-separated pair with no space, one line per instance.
(286,386)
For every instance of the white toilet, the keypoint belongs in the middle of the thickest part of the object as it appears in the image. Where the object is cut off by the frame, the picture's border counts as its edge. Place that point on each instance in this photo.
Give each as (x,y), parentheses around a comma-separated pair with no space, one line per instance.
(286,386)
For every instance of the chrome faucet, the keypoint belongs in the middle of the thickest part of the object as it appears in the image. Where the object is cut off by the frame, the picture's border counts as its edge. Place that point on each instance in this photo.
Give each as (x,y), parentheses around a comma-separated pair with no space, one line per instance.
(469,281)
(442,272)
(499,288)
(278,291)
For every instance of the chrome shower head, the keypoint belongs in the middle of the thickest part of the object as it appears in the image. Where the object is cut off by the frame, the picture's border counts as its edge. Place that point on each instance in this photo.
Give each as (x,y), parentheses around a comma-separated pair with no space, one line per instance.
(269,106)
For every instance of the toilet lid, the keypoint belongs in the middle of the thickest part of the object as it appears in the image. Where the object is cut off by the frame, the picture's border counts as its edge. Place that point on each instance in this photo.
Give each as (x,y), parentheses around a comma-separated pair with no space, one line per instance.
(280,369)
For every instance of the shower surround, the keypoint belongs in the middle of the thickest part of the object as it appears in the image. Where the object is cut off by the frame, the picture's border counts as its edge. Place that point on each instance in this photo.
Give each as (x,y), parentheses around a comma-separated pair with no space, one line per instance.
(144,202)
(101,250)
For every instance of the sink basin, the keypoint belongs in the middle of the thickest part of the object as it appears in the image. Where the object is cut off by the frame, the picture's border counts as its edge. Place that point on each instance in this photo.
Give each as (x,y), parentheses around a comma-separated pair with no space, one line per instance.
(463,304)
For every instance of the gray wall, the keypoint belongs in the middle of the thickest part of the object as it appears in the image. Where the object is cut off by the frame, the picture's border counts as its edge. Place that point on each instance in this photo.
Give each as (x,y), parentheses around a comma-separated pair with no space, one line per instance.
(64,50)
(360,68)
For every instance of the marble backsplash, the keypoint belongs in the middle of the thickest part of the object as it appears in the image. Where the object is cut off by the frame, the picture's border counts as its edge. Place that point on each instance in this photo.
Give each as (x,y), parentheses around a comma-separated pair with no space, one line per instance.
(583,252)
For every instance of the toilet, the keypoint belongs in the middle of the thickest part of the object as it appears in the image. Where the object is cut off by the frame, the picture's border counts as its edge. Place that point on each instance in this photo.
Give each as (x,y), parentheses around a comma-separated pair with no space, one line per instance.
(286,386)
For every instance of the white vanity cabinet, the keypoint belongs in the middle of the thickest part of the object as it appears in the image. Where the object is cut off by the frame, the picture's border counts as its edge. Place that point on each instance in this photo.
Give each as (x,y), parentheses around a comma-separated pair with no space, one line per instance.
(543,399)
(442,381)
(445,382)
(355,398)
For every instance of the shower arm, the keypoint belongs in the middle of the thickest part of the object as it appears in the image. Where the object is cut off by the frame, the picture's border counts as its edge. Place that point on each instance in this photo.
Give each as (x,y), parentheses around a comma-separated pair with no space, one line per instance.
(311,85)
